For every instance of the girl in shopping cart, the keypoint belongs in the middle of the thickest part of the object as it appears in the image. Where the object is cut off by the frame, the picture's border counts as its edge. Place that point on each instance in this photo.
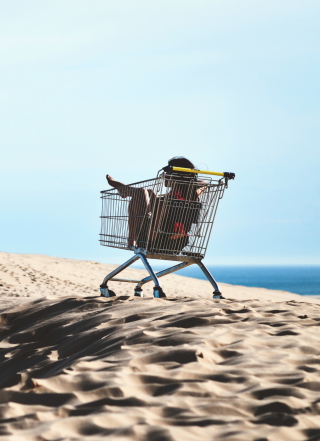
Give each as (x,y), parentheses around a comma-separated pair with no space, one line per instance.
(176,211)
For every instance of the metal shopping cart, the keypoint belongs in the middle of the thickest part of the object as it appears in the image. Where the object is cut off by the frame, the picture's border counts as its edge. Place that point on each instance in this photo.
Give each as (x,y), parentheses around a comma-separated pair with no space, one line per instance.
(169,218)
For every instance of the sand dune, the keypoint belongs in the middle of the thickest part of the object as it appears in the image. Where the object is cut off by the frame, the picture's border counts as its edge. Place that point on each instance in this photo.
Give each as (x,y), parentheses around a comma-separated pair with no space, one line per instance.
(27,275)
(78,366)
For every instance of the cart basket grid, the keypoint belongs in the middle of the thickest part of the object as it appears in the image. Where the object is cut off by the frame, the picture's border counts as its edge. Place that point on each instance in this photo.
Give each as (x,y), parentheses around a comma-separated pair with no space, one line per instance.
(162,216)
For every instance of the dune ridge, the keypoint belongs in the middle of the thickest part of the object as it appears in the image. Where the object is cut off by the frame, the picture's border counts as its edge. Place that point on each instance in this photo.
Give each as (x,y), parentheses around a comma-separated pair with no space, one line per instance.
(77,367)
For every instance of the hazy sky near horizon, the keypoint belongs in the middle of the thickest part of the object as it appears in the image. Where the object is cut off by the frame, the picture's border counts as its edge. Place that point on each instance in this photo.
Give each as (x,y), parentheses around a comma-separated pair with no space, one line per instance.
(119,87)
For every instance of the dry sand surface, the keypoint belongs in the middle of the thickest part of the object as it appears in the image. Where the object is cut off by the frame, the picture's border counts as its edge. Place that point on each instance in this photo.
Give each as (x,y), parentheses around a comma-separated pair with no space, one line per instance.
(76,366)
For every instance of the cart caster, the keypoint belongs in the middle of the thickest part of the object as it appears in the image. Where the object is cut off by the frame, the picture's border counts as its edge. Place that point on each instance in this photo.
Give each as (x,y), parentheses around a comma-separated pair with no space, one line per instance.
(158,293)
(138,292)
(217,295)
(106,292)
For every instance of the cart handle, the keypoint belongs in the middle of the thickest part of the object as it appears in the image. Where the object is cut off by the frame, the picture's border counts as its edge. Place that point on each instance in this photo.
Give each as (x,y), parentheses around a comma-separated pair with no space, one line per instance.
(227,175)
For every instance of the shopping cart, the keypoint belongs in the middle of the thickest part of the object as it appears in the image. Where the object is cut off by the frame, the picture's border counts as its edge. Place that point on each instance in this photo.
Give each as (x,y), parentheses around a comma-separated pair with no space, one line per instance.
(169,217)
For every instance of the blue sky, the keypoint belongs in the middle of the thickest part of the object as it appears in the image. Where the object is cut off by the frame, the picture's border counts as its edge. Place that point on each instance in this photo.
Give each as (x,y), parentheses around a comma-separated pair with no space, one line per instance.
(95,87)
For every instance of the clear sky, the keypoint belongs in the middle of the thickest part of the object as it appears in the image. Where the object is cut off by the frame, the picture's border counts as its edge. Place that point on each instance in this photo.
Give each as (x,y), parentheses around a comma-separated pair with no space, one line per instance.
(119,87)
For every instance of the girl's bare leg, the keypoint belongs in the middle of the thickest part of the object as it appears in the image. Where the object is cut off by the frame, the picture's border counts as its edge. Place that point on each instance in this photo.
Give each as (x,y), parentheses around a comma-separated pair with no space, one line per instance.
(140,207)
(123,189)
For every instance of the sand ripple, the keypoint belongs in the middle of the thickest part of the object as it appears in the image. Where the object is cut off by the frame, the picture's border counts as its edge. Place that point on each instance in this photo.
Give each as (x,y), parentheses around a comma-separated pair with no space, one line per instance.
(159,369)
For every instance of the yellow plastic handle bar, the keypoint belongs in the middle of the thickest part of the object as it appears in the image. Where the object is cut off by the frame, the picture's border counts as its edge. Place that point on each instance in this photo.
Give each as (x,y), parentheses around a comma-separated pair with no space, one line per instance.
(204,172)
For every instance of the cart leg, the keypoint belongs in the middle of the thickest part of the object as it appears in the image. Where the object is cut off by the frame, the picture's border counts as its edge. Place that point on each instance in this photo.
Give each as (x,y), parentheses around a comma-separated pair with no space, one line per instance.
(104,288)
(157,290)
(206,272)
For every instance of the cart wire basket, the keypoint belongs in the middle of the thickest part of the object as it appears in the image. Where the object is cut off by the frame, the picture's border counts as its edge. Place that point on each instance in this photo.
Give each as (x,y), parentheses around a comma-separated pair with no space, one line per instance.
(169,217)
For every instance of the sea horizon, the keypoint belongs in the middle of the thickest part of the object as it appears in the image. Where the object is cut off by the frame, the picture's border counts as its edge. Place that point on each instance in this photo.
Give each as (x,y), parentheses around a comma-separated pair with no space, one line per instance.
(298,279)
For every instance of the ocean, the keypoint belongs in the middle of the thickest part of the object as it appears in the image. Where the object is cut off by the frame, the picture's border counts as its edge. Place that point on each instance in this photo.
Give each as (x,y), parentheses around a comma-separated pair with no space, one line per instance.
(303,280)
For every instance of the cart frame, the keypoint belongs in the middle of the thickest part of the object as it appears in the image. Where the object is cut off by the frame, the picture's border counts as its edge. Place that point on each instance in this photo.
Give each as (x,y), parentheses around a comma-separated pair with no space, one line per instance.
(197,248)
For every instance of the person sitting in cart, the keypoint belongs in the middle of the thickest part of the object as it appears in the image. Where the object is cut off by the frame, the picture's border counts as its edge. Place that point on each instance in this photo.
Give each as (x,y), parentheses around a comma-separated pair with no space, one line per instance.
(170,225)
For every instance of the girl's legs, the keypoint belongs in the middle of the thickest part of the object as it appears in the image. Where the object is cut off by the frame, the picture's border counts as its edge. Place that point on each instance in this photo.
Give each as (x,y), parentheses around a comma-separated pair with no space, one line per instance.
(140,209)
(140,206)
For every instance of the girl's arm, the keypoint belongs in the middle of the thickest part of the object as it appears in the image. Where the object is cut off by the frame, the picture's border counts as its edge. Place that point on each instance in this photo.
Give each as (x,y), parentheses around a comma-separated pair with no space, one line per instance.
(201,189)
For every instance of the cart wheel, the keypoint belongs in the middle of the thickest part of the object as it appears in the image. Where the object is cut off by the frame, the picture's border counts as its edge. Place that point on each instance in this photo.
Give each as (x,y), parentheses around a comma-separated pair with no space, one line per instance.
(138,292)
(158,293)
(217,295)
(106,292)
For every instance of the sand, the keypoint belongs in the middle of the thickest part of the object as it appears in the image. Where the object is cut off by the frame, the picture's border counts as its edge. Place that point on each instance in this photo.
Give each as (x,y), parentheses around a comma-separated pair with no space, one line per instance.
(78,366)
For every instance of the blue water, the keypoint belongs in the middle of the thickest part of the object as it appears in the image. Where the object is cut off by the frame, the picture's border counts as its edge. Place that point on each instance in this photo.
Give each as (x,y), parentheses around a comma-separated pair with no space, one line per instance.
(304,280)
